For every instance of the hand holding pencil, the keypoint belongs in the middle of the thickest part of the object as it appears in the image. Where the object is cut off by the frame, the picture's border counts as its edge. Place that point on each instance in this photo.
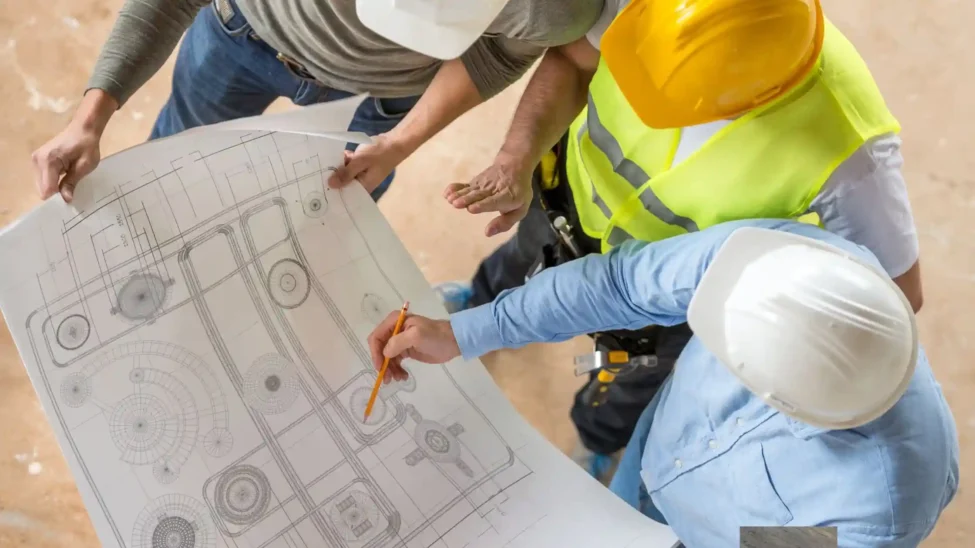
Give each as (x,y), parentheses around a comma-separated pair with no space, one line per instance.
(420,339)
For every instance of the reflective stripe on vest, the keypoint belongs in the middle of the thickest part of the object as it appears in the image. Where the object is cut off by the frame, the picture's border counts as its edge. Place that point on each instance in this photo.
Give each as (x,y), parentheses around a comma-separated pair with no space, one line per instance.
(769,163)
(630,171)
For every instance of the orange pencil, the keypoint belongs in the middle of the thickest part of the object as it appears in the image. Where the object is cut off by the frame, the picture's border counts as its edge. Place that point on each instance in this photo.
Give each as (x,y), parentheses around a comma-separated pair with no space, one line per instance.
(382,372)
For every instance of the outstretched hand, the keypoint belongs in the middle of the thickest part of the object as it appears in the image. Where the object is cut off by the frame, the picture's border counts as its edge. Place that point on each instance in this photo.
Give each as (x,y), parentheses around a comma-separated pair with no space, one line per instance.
(505,187)
(369,164)
(422,339)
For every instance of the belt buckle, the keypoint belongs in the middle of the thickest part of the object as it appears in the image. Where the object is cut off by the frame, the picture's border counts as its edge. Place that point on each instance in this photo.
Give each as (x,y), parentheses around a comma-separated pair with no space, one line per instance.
(224,9)
(295,66)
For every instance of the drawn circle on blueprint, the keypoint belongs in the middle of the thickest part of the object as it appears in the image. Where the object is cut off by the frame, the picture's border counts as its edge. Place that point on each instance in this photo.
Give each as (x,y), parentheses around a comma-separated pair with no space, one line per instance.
(355,515)
(143,428)
(165,471)
(73,332)
(314,204)
(173,521)
(288,283)
(357,404)
(137,375)
(375,308)
(218,442)
(75,389)
(409,385)
(271,385)
(141,296)
(436,441)
(242,494)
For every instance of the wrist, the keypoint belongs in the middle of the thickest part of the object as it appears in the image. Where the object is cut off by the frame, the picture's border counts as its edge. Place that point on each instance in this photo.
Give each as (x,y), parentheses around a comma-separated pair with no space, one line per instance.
(95,110)
(516,160)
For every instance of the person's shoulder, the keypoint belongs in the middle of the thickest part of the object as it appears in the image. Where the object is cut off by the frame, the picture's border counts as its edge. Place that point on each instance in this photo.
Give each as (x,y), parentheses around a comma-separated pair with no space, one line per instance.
(547,23)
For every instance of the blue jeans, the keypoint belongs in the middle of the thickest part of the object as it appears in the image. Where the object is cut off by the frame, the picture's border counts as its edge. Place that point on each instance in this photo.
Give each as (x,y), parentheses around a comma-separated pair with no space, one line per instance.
(222,73)
(627,482)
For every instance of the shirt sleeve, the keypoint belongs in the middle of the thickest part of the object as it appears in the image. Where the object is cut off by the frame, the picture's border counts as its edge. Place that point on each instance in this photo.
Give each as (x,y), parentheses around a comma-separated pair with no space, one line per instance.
(611,9)
(144,35)
(495,62)
(635,285)
(865,201)
(521,34)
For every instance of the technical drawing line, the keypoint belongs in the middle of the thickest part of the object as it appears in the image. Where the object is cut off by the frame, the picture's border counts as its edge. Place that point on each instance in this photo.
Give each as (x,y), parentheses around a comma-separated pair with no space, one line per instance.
(323,526)
(352,422)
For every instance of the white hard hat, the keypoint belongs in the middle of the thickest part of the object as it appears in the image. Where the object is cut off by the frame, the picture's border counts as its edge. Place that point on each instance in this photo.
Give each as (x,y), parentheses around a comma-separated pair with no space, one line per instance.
(816,332)
(443,29)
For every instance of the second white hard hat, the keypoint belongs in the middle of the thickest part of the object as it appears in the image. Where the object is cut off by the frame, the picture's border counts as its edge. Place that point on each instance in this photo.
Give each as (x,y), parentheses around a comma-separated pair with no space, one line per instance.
(819,334)
(442,29)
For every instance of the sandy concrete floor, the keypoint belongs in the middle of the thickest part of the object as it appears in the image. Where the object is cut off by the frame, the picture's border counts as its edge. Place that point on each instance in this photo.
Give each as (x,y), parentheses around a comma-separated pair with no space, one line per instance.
(921,54)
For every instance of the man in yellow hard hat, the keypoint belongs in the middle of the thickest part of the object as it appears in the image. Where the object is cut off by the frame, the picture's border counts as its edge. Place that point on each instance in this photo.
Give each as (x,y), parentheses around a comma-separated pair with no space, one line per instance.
(685,114)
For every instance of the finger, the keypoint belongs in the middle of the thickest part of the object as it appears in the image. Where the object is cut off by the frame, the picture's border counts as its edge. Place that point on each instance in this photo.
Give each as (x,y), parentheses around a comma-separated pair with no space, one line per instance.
(497,201)
(388,376)
(74,175)
(472,198)
(401,343)
(452,189)
(460,191)
(47,174)
(504,223)
(380,336)
(347,173)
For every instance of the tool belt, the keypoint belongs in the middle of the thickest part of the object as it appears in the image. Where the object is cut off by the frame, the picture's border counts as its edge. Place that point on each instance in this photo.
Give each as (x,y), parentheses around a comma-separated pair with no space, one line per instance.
(615,353)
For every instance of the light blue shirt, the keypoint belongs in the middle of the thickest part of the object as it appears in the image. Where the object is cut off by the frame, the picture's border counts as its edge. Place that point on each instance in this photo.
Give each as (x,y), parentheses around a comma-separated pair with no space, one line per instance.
(717,457)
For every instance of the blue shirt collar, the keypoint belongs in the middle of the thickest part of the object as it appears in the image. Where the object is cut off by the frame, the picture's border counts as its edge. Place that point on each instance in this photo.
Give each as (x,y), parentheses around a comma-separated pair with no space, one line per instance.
(804,431)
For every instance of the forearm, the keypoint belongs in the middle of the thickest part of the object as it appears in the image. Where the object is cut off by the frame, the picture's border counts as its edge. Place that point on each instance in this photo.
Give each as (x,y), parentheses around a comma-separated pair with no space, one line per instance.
(144,35)
(554,97)
(95,111)
(633,286)
(451,93)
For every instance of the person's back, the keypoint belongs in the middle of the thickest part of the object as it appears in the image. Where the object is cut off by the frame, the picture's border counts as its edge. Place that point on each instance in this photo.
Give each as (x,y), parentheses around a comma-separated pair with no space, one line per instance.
(716,446)
(879,483)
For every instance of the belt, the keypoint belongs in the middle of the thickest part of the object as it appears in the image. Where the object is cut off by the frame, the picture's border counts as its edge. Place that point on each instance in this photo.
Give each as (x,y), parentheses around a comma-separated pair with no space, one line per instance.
(226,9)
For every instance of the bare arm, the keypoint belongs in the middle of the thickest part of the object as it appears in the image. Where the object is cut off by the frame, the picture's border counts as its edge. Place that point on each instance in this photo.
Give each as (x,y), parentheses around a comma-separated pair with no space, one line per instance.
(489,66)
(910,284)
(144,35)
(865,200)
(554,97)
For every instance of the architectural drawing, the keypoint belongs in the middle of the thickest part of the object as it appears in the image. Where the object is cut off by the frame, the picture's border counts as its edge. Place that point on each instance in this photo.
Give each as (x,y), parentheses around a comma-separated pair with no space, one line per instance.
(195,329)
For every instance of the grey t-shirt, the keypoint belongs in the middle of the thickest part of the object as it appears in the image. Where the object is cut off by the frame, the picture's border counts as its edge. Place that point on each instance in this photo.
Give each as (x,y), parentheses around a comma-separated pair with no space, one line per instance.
(327,37)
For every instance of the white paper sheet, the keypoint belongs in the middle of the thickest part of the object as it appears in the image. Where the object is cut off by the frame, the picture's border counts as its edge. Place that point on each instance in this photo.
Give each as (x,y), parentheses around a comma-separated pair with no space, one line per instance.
(194,326)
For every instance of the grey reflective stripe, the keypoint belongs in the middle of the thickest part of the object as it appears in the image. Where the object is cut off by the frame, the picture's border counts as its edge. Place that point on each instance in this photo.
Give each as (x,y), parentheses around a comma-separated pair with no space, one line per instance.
(617,236)
(629,170)
(596,198)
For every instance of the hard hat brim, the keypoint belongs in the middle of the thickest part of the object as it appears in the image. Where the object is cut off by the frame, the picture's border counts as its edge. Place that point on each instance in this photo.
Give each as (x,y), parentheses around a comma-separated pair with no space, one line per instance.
(706,312)
(419,34)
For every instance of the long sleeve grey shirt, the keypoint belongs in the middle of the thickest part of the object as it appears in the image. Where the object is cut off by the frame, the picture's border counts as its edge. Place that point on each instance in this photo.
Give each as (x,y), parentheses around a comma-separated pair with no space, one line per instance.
(327,37)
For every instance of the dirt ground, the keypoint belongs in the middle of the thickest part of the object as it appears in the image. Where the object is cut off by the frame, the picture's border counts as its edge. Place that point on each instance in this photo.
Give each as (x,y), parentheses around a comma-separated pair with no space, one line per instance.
(921,54)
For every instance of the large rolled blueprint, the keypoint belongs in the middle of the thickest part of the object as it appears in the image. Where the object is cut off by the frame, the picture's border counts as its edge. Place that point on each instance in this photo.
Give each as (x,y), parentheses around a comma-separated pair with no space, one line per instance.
(194,325)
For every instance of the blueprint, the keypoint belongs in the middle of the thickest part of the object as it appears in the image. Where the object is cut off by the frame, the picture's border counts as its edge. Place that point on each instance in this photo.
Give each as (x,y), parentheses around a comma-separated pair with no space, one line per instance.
(194,325)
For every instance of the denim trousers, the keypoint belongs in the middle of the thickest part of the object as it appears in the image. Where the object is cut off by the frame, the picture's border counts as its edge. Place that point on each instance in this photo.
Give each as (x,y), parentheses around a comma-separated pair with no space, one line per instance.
(224,72)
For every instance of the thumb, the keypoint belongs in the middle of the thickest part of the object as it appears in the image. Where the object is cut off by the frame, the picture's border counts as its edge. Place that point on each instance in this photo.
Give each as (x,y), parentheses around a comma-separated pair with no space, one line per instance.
(77,171)
(347,173)
(401,343)
(503,223)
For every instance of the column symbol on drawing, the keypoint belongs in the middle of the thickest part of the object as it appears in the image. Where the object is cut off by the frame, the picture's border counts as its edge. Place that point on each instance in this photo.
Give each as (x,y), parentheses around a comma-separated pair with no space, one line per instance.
(436,442)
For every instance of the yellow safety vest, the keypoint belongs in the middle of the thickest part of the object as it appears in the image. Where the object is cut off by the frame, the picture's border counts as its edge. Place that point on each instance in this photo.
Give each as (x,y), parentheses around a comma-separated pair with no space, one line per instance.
(769,163)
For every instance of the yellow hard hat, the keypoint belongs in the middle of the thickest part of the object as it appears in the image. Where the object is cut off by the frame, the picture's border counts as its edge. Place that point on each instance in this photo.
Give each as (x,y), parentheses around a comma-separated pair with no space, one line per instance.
(685,62)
